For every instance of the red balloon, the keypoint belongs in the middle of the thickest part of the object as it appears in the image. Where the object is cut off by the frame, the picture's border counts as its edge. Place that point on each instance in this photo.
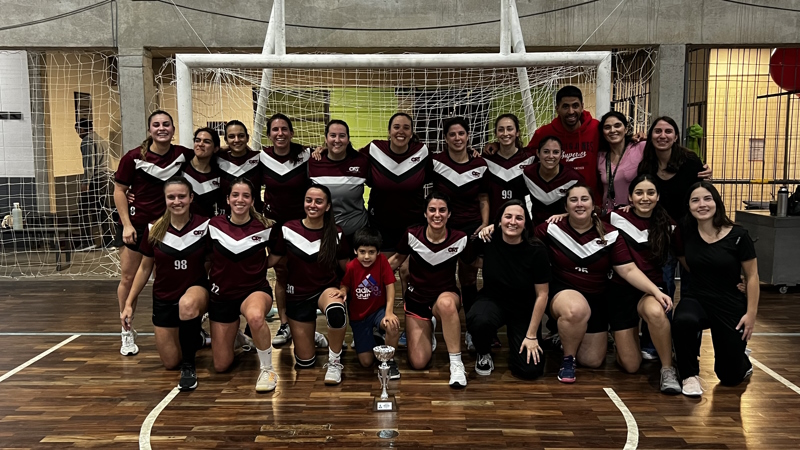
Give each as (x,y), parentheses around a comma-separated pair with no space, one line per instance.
(784,68)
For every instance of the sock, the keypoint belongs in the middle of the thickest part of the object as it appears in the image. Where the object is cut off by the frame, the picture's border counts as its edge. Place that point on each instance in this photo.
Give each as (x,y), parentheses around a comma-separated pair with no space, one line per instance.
(265,356)
(455,357)
(333,357)
(188,331)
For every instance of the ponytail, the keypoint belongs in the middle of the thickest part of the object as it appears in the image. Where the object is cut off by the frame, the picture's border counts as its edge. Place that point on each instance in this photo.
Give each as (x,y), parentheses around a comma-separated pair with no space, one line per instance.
(660,234)
(268,223)
(329,243)
(598,226)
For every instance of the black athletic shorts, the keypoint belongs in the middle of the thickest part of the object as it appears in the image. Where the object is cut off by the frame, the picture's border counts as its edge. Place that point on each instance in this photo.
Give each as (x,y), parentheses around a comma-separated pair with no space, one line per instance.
(623,301)
(166,314)
(228,311)
(139,235)
(420,307)
(304,310)
(598,321)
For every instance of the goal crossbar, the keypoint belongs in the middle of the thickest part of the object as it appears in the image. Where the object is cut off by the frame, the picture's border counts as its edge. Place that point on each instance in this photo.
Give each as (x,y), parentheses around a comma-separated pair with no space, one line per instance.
(186,61)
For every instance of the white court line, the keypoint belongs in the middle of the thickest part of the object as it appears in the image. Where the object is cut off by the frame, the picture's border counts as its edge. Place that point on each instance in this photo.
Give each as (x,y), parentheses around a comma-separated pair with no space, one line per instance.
(40,356)
(633,430)
(147,426)
(776,334)
(57,333)
(775,375)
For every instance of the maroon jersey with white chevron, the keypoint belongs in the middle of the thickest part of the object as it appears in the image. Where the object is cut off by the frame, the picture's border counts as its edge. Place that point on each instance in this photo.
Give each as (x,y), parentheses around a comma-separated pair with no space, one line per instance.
(301,245)
(146,180)
(232,167)
(547,197)
(239,259)
(634,230)
(503,178)
(432,267)
(397,183)
(581,260)
(207,188)
(180,258)
(462,182)
(285,184)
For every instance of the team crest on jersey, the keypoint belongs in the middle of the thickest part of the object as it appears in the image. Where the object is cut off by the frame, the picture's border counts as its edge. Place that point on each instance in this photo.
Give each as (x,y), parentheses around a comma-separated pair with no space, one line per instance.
(415,159)
(354,169)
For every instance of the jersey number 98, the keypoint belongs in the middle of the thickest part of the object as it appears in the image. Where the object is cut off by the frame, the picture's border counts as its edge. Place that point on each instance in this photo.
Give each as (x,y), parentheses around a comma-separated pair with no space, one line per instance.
(180,264)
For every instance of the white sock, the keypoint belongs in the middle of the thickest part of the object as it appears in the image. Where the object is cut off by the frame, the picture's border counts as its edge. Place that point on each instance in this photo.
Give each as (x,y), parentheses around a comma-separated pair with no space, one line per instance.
(455,357)
(265,356)
(333,357)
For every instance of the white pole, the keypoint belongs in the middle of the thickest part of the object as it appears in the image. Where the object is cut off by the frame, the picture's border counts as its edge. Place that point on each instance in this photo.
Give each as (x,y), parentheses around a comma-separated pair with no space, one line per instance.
(603,95)
(183,86)
(522,72)
(266,80)
(505,31)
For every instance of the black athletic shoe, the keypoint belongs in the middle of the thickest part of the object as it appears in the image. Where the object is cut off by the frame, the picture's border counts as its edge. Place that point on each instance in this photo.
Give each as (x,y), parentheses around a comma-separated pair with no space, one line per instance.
(188,378)
(394,372)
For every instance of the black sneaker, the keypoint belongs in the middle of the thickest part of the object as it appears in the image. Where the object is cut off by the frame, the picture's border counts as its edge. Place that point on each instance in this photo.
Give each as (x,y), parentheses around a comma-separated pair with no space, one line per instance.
(394,372)
(188,378)
(484,365)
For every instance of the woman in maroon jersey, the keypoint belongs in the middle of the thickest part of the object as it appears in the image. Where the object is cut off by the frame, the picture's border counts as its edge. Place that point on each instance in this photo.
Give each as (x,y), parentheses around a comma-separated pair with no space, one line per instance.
(176,245)
(583,250)
(548,179)
(313,249)
(238,279)
(239,161)
(203,174)
(433,251)
(142,172)
(648,230)
(504,167)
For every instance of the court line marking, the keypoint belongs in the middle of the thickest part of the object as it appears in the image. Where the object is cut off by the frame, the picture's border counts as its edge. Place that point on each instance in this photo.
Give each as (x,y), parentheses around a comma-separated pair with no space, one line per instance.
(775,375)
(632,442)
(37,358)
(147,425)
(63,333)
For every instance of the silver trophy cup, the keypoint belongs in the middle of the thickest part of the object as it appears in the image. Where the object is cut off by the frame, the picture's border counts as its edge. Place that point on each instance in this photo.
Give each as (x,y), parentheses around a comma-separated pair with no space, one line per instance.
(384,353)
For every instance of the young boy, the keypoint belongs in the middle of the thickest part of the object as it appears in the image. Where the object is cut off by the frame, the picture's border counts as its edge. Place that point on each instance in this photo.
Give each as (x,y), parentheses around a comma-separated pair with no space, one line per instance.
(369,280)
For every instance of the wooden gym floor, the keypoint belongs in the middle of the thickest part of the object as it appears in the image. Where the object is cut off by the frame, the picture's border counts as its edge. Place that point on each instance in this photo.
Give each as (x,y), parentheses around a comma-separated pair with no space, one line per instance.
(77,391)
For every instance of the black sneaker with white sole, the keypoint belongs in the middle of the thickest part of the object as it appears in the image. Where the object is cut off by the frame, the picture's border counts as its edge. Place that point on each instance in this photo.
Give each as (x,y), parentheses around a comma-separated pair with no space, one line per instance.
(394,372)
(484,365)
(188,378)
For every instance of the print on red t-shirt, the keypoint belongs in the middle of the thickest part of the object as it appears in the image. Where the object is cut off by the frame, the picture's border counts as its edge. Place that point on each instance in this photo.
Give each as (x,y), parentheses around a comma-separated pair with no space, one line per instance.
(366,286)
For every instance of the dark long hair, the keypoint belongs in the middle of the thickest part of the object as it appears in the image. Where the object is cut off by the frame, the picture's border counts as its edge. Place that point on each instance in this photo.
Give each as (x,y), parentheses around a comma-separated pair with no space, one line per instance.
(678,156)
(295,150)
(518,141)
(598,224)
(659,230)
(604,146)
(350,148)
(253,213)
(527,235)
(212,132)
(414,137)
(720,218)
(329,243)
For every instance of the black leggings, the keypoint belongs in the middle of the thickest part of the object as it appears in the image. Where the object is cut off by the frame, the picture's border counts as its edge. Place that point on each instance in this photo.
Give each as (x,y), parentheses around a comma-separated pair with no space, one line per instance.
(688,323)
(484,319)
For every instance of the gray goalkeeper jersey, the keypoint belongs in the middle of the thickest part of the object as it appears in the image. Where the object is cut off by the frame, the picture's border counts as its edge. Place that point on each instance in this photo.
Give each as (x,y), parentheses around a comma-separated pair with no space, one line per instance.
(345,179)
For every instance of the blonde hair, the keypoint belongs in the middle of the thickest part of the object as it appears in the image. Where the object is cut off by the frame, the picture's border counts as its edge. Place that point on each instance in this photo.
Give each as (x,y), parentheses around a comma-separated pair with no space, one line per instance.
(160,226)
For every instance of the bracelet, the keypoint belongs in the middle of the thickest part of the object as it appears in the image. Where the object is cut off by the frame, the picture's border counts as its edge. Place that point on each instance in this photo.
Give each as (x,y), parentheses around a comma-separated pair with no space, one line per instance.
(531,339)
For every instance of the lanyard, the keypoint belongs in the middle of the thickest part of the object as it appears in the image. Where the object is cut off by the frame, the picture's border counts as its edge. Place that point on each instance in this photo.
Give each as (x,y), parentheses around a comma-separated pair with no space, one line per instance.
(612,173)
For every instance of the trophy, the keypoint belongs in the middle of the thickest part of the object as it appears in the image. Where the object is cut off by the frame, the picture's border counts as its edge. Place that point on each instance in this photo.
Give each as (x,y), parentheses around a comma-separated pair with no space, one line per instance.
(384,353)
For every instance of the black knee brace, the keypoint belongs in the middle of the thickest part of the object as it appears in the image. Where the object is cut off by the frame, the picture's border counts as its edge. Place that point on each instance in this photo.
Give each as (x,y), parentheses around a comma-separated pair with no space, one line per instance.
(304,363)
(336,316)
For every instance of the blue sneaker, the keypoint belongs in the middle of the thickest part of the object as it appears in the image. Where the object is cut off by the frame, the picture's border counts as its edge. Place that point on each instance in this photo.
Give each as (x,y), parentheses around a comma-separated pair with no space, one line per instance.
(402,342)
(567,372)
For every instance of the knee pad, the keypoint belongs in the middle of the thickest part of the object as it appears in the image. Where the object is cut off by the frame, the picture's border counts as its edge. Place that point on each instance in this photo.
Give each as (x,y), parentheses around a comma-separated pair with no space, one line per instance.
(304,363)
(336,316)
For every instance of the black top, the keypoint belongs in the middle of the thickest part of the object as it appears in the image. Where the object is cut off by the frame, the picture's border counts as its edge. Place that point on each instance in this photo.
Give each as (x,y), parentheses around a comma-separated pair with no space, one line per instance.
(716,269)
(673,192)
(511,272)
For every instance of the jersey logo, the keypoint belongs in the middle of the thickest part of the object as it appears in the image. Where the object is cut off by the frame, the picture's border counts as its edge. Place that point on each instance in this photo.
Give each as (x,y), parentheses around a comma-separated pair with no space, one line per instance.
(452,249)
(458,179)
(397,168)
(369,287)
(569,157)
(354,169)
(237,170)
(181,243)
(436,257)
(256,238)
(415,159)
(238,246)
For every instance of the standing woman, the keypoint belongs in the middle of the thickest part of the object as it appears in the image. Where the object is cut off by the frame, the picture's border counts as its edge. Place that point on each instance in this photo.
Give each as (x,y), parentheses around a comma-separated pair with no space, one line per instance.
(583,250)
(238,278)
(142,172)
(285,177)
(716,251)
(459,175)
(239,161)
(548,180)
(176,244)
(343,171)
(516,276)
(650,235)
(618,159)
(204,175)
(313,249)
(434,250)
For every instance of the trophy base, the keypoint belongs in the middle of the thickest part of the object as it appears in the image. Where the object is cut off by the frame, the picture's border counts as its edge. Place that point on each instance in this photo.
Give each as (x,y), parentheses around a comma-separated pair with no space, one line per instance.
(389,405)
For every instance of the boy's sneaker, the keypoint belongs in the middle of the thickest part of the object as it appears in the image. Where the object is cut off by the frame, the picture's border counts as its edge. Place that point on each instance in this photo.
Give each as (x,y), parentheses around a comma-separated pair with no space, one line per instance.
(669,381)
(283,335)
(433,334)
(567,372)
(468,342)
(188,380)
(319,340)
(129,346)
(402,342)
(692,387)
(394,372)
(334,374)
(458,375)
(267,380)
(484,365)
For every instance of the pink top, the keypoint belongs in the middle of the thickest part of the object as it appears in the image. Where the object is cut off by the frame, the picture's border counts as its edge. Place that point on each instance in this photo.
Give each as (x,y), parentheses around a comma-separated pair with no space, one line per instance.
(624,175)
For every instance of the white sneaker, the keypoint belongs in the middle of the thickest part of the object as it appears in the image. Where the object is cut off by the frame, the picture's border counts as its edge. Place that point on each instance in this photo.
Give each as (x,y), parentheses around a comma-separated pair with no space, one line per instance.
(242,343)
(129,347)
(692,387)
(334,374)
(468,341)
(669,381)
(319,340)
(283,335)
(458,375)
(433,334)
(267,381)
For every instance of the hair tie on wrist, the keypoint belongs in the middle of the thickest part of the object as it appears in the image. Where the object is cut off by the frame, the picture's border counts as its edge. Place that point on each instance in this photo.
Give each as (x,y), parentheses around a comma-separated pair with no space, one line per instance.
(531,339)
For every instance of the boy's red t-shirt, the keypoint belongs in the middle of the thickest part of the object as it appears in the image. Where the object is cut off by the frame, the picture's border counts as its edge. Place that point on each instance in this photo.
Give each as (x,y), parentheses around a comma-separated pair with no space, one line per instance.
(366,286)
